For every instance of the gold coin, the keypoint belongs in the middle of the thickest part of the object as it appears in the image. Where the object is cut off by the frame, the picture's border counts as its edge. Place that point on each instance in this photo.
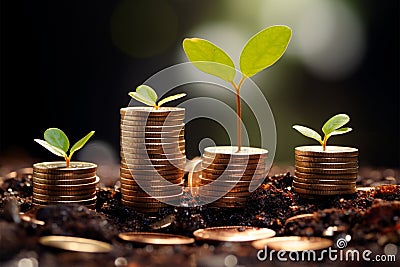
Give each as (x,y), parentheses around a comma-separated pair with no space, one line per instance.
(154,129)
(232,172)
(350,176)
(326,171)
(145,178)
(224,187)
(293,243)
(151,172)
(223,199)
(49,202)
(210,160)
(59,167)
(321,181)
(330,152)
(231,152)
(323,192)
(75,244)
(178,162)
(162,111)
(140,147)
(326,160)
(155,238)
(233,233)
(153,187)
(163,182)
(151,193)
(68,176)
(62,197)
(69,186)
(147,205)
(222,182)
(152,156)
(366,188)
(139,140)
(172,152)
(144,122)
(210,193)
(64,182)
(327,165)
(300,217)
(174,134)
(231,178)
(67,192)
(151,167)
(233,167)
(324,187)
(152,199)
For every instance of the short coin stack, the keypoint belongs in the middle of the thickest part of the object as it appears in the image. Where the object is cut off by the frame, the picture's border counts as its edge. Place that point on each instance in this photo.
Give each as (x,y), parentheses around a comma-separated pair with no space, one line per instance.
(227,174)
(53,183)
(325,173)
(152,157)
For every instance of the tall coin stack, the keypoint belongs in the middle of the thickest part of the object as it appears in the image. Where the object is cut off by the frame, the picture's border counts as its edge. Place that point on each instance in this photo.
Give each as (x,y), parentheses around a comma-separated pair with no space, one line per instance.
(53,183)
(226,174)
(152,157)
(325,173)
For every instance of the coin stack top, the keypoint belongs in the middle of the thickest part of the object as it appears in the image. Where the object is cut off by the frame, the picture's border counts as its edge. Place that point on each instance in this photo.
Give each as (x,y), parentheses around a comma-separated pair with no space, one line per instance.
(226,174)
(329,172)
(53,183)
(152,156)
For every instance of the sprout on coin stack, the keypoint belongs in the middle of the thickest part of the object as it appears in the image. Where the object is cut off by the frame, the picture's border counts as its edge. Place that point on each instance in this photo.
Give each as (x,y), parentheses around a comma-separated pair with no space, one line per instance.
(235,166)
(152,152)
(325,170)
(63,182)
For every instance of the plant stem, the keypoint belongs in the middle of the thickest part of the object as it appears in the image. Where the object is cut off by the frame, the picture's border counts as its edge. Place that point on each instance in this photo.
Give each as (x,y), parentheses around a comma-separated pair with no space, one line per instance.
(324,143)
(239,111)
(67,160)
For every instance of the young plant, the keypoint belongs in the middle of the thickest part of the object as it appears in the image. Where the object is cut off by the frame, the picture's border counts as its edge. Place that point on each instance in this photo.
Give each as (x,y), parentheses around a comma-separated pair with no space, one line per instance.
(331,127)
(260,52)
(148,96)
(57,142)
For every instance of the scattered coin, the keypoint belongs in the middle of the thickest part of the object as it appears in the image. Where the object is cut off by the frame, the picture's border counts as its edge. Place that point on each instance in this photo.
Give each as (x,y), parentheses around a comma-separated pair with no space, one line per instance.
(300,217)
(75,244)
(233,233)
(366,188)
(156,238)
(293,243)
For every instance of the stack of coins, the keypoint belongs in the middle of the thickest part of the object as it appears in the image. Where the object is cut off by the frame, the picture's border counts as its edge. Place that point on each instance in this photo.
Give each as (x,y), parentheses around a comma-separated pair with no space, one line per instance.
(152,157)
(226,174)
(53,183)
(325,173)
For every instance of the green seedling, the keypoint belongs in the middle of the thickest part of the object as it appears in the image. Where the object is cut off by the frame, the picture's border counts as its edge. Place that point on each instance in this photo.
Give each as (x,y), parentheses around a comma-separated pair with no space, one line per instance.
(56,141)
(260,52)
(146,95)
(331,127)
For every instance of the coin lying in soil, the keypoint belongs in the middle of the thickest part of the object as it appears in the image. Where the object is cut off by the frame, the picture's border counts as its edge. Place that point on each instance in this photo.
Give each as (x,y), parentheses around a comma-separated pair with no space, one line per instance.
(75,244)
(155,238)
(233,233)
(293,243)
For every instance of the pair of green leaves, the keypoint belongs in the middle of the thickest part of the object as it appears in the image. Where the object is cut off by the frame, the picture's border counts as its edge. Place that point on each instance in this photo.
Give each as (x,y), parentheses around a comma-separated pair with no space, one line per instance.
(331,127)
(261,51)
(146,95)
(56,141)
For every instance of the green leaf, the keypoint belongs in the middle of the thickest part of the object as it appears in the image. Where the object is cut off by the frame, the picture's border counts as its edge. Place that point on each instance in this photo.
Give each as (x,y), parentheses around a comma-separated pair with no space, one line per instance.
(147,92)
(209,58)
(264,49)
(55,150)
(57,138)
(308,132)
(139,98)
(78,145)
(341,131)
(170,98)
(335,123)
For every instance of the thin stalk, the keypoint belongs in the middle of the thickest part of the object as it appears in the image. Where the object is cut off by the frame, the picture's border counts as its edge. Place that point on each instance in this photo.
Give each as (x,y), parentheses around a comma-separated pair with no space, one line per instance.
(67,160)
(324,143)
(239,111)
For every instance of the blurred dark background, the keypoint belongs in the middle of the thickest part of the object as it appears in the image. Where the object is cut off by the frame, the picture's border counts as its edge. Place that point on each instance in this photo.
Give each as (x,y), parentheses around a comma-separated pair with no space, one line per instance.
(70,64)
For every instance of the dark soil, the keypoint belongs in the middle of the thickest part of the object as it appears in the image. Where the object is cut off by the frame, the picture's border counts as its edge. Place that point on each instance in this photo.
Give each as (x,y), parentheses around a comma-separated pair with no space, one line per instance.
(368,219)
